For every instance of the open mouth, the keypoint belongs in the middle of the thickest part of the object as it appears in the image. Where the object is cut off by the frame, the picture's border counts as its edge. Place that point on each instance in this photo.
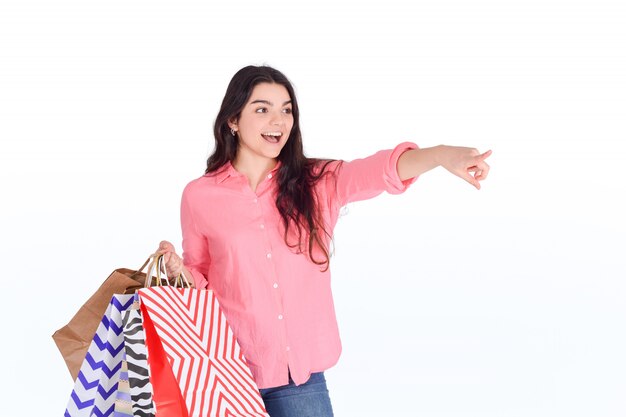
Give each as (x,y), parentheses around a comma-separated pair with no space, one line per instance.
(272,137)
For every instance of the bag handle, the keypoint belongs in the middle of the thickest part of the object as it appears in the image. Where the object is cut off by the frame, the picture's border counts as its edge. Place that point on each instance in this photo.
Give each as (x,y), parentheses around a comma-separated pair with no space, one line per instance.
(157,263)
(138,271)
(180,281)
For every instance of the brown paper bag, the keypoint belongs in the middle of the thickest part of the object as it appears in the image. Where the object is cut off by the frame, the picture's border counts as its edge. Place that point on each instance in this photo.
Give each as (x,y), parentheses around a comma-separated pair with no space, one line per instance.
(74,338)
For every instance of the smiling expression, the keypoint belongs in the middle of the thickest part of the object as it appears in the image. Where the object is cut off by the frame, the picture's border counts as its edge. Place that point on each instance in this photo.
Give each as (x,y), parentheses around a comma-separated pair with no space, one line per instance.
(265,122)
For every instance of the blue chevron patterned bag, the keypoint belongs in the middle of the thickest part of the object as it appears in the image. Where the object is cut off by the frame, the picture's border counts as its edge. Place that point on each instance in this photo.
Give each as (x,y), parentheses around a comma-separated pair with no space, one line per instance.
(96,387)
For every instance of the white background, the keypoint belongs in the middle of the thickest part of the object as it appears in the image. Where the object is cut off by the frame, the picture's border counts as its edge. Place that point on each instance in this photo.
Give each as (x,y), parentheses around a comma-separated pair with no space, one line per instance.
(508,301)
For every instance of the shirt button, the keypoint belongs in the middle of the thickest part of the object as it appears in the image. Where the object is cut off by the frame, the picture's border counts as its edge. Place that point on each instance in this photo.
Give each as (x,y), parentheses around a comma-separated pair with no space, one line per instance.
(275,285)
(280,317)
(269,255)
(288,348)
(262,226)
(269,175)
(255,200)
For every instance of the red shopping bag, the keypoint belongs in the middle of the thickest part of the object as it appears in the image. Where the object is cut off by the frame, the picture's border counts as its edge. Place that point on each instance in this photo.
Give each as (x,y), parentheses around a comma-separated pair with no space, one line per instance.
(166,395)
(204,357)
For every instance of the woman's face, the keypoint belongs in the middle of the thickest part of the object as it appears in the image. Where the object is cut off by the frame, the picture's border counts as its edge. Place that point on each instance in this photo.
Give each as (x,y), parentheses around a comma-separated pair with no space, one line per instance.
(265,122)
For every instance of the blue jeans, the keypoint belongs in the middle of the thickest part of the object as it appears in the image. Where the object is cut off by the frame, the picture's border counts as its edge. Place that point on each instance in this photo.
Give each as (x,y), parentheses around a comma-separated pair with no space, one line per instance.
(307,400)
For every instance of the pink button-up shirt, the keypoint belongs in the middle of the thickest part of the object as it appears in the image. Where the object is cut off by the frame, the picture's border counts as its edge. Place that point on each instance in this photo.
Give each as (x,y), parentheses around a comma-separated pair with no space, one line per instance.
(278,303)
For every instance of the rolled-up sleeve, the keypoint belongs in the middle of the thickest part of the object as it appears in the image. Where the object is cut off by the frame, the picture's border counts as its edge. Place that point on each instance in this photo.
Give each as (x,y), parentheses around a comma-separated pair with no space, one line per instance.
(368,177)
(195,248)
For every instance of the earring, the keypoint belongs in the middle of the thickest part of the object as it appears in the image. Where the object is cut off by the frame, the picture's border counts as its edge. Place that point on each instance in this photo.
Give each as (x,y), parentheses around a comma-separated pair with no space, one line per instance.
(233,131)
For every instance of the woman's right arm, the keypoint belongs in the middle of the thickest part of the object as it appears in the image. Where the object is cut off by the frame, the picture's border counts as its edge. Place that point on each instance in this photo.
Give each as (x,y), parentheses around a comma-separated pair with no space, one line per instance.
(196,258)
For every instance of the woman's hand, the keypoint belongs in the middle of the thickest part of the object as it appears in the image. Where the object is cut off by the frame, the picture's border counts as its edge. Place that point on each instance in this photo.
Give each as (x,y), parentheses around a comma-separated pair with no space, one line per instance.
(173,262)
(463,162)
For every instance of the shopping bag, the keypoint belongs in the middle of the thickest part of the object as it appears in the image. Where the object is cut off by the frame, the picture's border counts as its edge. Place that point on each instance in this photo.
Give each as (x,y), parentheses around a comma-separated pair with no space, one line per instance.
(167,397)
(96,386)
(145,385)
(201,350)
(140,387)
(74,338)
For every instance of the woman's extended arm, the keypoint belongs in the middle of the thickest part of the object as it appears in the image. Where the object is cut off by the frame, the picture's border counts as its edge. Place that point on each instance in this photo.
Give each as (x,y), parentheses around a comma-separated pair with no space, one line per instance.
(461,161)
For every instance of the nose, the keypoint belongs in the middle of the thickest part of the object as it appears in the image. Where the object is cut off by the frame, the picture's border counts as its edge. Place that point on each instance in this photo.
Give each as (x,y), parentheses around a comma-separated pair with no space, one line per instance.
(277,119)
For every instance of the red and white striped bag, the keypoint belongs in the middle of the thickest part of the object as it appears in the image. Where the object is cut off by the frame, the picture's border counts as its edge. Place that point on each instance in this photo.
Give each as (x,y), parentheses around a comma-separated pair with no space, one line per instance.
(203,354)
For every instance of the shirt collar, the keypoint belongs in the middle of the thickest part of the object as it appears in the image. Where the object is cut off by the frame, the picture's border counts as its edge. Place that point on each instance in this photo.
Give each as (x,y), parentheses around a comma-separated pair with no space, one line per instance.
(228,170)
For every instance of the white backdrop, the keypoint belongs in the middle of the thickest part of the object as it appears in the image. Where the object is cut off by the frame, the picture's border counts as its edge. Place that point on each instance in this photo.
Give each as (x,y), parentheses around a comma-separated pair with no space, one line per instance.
(508,301)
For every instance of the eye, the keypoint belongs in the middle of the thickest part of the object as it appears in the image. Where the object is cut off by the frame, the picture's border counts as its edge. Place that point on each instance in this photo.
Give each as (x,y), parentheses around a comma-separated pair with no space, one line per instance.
(261,108)
(288,110)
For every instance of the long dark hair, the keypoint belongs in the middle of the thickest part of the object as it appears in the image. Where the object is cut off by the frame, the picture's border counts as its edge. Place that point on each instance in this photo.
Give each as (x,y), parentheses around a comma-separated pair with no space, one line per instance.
(296,200)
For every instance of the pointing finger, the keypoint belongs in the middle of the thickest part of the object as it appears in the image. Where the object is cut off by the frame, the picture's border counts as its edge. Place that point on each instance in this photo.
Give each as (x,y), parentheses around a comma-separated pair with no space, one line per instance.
(484,155)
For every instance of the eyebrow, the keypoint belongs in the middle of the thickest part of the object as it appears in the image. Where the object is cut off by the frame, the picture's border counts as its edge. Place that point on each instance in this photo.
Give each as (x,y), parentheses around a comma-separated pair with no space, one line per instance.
(268,102)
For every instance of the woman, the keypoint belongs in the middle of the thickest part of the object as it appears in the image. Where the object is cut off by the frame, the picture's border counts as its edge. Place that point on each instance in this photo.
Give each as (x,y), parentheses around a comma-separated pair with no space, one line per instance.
(257,227)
